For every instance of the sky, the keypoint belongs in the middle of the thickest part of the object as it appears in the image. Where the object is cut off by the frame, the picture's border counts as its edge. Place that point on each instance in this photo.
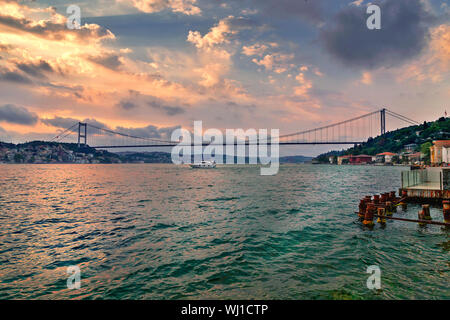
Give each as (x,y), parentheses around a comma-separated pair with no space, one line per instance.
(149,66)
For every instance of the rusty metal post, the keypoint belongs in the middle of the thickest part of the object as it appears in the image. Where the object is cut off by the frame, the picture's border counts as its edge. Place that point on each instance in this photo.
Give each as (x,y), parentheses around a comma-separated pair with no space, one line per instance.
(376,199)
(426,212)
(446,210)
(392,196)
(362,207)
(389,208)
(368,217)
(381,215)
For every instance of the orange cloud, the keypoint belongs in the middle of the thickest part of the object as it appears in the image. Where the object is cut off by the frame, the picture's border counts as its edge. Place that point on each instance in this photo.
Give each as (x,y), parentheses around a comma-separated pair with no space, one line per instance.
(187,7)
(434,64)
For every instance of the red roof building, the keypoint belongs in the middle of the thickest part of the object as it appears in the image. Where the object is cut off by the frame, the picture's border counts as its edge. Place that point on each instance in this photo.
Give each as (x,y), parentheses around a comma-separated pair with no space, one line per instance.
(360,159)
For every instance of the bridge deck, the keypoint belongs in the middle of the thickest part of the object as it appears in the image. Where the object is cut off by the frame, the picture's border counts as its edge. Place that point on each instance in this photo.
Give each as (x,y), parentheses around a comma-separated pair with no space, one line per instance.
(236,144)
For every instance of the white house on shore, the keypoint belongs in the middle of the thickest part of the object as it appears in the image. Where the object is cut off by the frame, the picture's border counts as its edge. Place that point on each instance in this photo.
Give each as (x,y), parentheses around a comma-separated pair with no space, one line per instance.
(385,157)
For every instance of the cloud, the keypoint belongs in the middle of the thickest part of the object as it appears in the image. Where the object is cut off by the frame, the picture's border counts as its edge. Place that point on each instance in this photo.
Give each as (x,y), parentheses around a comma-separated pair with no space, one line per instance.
(35,69)
(305,85)
(127,104)
(254,50)
(216,60)
(187,7)
(12,16)
(357,3)
(217,35)
(149,131)
(277,62)
(18,115)
(366,78)
(434,64)
(60,122)
(403,34)
(9,76)
(168,110)
(63,123)
(212,48)
(108,60)
(5,47)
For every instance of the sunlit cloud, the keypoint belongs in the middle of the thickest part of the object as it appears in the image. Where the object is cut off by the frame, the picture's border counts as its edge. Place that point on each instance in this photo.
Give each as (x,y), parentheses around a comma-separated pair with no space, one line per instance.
(224,64)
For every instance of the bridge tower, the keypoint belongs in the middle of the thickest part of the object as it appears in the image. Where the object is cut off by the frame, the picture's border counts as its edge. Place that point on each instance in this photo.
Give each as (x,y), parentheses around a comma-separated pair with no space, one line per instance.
(82,135)
(383,120)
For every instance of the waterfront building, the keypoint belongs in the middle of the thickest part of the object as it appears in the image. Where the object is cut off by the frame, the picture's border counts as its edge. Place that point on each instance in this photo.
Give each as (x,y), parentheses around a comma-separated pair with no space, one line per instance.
(385,157)
(360,159)
(343,159)
(410,147)
(439,152)
(413,157)
(446,155)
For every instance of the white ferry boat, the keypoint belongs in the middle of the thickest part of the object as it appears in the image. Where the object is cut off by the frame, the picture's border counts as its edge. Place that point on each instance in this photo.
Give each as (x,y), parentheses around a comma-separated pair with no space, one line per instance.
(204,165)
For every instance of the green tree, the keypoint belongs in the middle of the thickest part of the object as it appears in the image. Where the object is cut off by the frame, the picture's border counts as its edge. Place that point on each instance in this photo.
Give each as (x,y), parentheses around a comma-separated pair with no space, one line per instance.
(18,158)
(425,149)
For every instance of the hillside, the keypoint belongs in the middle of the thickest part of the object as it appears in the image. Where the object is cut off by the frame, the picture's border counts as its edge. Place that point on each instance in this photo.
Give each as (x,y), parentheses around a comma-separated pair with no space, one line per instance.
(395,141)
(295,159)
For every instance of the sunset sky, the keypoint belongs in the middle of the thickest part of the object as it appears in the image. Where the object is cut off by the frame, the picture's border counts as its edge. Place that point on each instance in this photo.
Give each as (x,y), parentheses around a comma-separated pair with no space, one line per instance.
(148,66)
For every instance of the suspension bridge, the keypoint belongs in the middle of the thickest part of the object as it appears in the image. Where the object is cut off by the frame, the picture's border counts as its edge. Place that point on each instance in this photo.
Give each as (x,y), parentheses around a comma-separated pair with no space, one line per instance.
(353,131)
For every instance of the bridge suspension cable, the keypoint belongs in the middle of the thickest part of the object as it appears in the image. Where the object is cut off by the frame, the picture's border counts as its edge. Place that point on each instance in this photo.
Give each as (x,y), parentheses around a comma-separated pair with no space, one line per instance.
(352,131)
(64,134)
(400,117)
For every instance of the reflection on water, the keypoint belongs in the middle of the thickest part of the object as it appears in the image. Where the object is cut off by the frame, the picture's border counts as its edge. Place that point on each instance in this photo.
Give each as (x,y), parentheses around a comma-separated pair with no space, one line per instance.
(167,232)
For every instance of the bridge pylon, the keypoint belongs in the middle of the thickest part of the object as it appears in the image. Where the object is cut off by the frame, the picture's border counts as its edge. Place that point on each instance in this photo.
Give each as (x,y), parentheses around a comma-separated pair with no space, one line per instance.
(383,120)
(82,133)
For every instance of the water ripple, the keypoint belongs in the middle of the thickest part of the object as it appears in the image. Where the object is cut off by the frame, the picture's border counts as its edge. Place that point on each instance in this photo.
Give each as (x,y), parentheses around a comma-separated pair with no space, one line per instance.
(167,232)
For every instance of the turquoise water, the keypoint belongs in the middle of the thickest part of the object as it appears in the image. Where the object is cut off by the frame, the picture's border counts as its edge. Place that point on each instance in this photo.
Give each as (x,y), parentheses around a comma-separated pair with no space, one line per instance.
(150,231)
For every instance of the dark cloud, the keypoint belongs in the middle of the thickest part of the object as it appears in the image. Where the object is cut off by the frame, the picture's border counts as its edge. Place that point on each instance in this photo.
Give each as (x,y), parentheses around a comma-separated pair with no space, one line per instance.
(126,104)
(64,123)
(403,34)
(136,98)
(37,69)
(130,103)
(8,76)
(169,110)
(96,123)
(60,122)
(16,114)
(107,60)
(149,132)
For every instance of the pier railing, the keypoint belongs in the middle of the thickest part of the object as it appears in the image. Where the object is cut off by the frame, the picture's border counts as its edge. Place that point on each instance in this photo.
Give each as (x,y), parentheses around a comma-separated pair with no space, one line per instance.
(413,178)
(430,178)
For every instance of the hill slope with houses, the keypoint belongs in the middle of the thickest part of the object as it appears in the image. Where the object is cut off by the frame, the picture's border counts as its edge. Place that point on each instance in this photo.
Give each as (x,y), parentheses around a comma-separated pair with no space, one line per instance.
(406,145)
